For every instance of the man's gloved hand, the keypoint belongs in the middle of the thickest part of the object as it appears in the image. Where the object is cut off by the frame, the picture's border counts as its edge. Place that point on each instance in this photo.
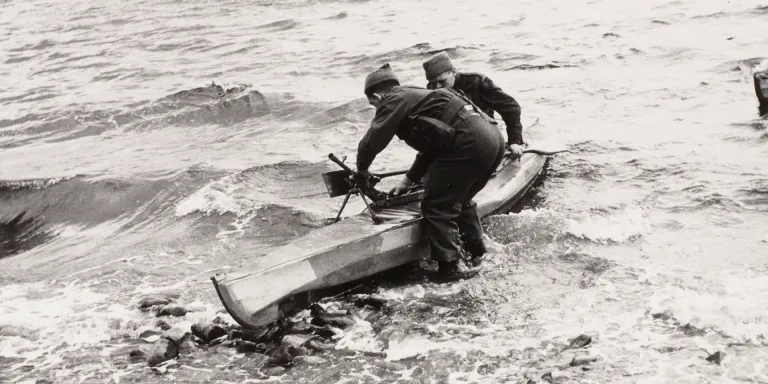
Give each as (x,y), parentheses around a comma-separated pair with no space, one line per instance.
(400,188)
(516,150)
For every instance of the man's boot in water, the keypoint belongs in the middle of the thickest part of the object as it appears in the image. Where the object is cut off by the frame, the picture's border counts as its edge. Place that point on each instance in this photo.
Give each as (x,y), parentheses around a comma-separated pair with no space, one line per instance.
(476,250)
(450,271)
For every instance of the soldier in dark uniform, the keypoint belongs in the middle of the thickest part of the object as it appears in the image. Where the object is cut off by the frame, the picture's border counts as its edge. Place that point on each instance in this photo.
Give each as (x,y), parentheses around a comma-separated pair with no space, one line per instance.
(441,73)
(459,150)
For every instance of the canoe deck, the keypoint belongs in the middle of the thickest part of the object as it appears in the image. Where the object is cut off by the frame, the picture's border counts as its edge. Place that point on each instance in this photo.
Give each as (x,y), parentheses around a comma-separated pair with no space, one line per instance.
(352,249)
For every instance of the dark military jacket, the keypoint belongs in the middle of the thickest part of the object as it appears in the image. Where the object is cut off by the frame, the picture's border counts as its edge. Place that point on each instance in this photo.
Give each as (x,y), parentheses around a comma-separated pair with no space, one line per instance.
(489,97)
(394,118)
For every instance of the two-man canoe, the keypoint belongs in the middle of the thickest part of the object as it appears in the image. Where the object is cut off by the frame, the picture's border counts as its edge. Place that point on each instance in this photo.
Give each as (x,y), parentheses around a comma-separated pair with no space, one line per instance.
(354,248)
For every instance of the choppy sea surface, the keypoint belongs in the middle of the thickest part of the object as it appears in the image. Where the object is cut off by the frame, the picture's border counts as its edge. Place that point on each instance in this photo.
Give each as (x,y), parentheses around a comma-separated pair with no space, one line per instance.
(124,173)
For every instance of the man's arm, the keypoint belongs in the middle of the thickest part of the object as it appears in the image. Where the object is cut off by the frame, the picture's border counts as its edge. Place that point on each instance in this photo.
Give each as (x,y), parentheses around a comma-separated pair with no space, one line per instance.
(506,106)
(383,128)
(419,167)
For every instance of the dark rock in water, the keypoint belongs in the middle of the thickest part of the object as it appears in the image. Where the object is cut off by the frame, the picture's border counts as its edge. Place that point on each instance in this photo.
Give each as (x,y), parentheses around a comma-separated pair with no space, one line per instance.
(301,328)
(282,355)
(186,347)
(235,334)
(163,325)
(690,330)
(300,351)
(172,310)
(317,345)
(716,357)
(255,335)
(583,360)
(137,355)
(390,366)
(163,350)
(207,333)
(330,332)
(148,333)
(246,346)
(275,371)
(580,341)
(338,322)
(370,301)
(666,315)
(274,333)
(316,309)
(149,302)
(487,368)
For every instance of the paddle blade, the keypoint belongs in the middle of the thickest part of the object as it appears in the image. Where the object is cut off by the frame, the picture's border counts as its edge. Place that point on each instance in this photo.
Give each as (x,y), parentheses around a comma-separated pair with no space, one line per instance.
(337,183)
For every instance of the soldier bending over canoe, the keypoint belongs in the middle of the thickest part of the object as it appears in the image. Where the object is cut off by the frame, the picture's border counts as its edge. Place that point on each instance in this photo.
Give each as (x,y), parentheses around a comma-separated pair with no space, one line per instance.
(459,148)
(441,73)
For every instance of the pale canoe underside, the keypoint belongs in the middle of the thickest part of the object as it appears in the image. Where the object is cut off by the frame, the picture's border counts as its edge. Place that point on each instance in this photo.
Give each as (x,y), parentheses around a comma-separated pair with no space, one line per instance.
(352,249)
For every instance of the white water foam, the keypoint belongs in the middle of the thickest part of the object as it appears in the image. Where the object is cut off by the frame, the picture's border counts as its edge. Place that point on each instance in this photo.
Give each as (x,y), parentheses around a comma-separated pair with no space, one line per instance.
(619,227)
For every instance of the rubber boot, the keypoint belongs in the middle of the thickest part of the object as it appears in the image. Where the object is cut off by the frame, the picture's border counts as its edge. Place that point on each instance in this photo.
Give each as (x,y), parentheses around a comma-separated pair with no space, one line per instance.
(476,249)
(451,271)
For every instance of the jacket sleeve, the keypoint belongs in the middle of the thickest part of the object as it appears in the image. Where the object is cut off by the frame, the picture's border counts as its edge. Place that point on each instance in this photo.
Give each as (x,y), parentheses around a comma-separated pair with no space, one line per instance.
(419,167)
(384,126)
(506,106)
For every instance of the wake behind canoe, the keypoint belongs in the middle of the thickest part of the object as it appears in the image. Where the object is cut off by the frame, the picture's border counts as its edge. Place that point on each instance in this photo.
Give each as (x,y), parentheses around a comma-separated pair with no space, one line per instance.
(354,248)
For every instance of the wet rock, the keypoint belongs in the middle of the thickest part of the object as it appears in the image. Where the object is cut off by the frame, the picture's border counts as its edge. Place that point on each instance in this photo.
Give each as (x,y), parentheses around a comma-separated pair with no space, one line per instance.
(225,322)
(163,325)
(330,332)
(149,302)
(301,328)
(300,351)
(172,310)
(163,350)
(666,315)
(295,340)
(282,355)
(317,345)
(148,332)
(716,357)
(245,346)
(310,360)
(137,356)
(555,377)
(275,371)
(207,333)
(300,317)
(580,341)
(255,335)
(583,360)
(338,322)
(186,347)
(390,366)
(487,368)
(316,309)
(177,334)
(369,301)
(690,330)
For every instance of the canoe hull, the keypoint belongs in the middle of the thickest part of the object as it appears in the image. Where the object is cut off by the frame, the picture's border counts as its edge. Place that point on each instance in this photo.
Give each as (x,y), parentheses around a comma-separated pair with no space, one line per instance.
(352,249)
